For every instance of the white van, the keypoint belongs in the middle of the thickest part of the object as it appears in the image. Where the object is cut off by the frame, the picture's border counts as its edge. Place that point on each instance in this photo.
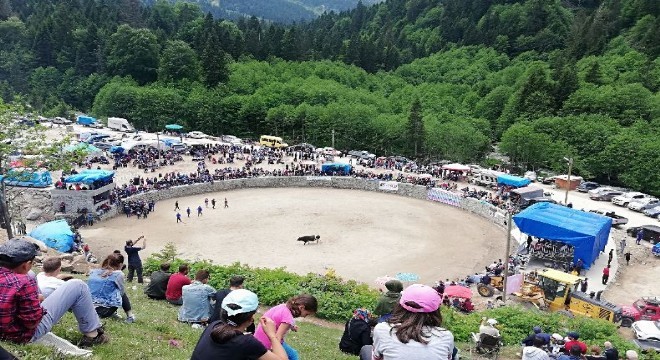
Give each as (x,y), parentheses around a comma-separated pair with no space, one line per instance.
(120,124)
(486,178)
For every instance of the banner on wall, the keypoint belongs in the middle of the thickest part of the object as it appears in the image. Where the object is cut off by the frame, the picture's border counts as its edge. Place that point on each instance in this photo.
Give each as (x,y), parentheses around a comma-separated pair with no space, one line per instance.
(444,196)
(319,178)
(388,185)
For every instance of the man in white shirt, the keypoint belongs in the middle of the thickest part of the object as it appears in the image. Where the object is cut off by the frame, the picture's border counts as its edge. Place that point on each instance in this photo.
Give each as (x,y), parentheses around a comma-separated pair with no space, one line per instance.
(488,327)
(51,278)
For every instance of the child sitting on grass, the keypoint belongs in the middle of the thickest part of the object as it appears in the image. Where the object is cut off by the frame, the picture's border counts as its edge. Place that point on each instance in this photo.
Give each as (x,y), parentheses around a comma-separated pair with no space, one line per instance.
(283,315)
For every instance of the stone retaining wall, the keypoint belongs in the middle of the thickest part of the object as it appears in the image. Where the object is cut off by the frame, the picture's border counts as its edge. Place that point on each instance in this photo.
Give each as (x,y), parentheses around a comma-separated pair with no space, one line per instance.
(474,206)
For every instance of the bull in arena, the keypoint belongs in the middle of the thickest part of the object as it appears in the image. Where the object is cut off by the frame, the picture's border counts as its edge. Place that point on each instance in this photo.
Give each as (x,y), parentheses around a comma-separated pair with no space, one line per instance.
(308,238)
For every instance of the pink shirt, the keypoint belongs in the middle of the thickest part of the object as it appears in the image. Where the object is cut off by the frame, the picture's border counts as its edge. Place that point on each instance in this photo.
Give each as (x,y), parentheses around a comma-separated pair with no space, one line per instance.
(280,314)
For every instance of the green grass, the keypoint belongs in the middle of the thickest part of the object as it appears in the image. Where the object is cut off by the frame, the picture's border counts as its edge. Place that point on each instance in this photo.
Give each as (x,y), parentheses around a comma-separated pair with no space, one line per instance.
(149,338)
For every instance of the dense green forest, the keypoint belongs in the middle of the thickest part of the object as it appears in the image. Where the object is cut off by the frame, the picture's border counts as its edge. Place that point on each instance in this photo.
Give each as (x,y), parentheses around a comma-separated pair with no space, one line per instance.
(543,79)
(282,11)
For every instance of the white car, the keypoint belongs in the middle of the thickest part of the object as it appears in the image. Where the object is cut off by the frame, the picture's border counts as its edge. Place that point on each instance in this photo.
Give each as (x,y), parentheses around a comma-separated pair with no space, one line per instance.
(627,198)
(197,135)
(329,151)
(643,204)
(647,330)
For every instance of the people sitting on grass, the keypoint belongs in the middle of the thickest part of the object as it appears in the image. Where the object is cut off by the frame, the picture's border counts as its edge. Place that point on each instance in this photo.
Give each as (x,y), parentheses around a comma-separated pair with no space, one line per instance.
(51,277)
(414,331)
(575,353)
(175,285)
(573,339)
(537,331)
(535,350)
(387,301)
(158,282)
(235,283)
(357,332)
(227,339)
(23,317)
(196,300)
(283,315)
(107,287)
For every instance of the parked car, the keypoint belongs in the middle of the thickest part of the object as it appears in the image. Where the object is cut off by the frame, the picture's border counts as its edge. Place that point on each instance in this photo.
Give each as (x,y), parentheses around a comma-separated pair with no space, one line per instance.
(606,195)
(647,330)
(62,121)
(646,308)
(651,232)
(643,204)
(361,154)
(652,212)
(197,135)
(616,219)
(587,185)
(329,151)
(627,198)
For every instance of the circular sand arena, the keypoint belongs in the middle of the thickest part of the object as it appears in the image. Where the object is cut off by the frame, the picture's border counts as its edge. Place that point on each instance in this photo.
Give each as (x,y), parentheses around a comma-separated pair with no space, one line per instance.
(364,235)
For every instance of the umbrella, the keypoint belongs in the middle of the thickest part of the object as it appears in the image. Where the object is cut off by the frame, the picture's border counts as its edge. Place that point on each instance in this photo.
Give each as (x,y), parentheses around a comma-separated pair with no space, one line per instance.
(407,277)
(174,127)
(458,291)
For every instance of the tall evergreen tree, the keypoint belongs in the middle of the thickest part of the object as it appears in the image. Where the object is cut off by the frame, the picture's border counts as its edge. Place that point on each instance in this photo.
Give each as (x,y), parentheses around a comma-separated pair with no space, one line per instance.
(415,128)
(214,62)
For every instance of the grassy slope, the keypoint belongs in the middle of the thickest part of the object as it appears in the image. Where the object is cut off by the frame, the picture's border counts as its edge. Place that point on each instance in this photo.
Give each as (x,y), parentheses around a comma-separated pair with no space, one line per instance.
(149,338)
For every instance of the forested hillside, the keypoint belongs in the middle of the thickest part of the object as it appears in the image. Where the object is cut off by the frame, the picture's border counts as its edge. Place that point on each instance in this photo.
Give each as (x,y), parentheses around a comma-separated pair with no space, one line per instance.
(282,11)
(544,79)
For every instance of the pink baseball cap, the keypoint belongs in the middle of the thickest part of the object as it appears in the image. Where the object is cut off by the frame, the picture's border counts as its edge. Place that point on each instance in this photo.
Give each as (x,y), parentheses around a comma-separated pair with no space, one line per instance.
(424,296)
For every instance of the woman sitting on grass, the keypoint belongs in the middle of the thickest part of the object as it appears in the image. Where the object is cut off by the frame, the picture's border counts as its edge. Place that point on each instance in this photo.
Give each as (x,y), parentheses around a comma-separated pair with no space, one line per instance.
(226,338)
(283,315)
(107,288)
(413,331)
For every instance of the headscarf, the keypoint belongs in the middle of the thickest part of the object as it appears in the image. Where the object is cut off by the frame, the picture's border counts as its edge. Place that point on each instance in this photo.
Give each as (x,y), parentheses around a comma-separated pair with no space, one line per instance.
(362,314)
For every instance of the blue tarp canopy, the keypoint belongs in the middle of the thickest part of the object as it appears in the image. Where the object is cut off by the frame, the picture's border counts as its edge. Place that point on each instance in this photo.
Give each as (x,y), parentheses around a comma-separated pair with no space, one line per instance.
(586,232)
(83,146)
(175,127)
(170,142)
(116,150)
(512,180)
(55,234)
(89,176)
(27,178)
(336,167)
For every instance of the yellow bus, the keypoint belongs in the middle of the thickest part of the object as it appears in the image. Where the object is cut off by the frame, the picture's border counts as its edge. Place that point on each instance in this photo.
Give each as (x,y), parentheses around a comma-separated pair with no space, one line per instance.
(272,141)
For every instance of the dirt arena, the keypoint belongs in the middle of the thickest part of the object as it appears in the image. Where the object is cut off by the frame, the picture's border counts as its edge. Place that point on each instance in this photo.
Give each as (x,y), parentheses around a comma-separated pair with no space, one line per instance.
(364,235)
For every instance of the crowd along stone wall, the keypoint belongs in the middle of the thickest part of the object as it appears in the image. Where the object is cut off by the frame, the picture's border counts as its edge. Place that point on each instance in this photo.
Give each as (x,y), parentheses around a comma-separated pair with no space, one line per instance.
(420,192)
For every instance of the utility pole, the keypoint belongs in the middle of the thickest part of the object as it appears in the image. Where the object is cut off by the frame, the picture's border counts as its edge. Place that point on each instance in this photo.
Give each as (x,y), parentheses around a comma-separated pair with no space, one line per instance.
(506,255)
(568,186)
(333,138)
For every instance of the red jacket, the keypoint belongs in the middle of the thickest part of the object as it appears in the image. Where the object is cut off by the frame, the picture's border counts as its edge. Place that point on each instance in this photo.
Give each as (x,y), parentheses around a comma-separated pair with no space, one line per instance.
(175,285)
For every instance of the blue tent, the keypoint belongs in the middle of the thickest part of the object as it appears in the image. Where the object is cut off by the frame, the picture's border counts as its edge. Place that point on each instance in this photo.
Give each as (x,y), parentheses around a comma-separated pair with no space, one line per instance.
(175,127)
(27,178)
(511,180)
(55,234)
(89,176)
(116,150)
(586,232)
(329,168)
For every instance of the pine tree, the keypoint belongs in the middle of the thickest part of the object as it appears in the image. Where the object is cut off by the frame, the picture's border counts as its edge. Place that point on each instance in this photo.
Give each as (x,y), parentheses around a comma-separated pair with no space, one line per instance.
(214,62)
